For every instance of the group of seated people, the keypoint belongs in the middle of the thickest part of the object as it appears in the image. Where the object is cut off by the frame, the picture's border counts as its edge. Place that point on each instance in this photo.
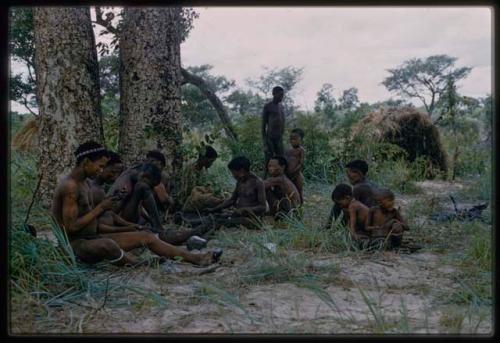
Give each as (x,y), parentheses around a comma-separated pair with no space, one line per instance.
(367,210)
(107,210)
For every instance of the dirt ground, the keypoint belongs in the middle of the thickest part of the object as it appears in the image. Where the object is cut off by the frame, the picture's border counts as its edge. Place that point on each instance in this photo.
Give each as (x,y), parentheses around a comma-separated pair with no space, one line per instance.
(380,292)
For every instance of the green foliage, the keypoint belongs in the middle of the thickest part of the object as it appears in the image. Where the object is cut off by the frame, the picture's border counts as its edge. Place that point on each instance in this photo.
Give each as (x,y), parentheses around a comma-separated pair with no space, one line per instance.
(424,79)
(249,142)
(22,49)
(325,103)
(196,109)
(287,77)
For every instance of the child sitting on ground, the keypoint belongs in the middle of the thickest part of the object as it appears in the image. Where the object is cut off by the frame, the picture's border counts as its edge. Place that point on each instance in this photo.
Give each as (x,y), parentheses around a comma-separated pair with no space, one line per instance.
(384,222)
(354,211)
(295,158)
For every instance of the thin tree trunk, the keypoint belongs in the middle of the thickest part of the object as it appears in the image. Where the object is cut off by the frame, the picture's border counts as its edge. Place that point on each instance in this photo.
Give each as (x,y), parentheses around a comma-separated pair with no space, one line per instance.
(214,100)
(150,81)
(67,77)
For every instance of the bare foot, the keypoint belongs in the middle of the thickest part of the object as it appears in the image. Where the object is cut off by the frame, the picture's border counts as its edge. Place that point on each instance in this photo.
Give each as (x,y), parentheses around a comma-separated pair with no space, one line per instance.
(210,257)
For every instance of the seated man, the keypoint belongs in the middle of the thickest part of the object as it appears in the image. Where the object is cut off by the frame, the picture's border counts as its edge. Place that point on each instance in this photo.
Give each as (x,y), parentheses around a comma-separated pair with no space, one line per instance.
(109,222)
(281,194)
(164,200)
(75,212)
(194,194)
(248,200)
(353,211)
(384,222)
(148,202)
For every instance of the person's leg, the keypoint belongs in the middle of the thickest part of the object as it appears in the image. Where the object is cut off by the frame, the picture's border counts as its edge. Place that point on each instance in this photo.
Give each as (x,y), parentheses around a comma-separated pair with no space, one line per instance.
(278,146)
(248,222)
(273,202)
(396,236)
(180,235)
(299,183)
(141,195)
(131,240)
(268,153)
(284,208)
(96,250)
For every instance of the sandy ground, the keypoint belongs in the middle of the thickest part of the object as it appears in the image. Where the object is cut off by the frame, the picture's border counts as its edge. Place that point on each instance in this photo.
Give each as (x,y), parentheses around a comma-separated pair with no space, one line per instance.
(369,293)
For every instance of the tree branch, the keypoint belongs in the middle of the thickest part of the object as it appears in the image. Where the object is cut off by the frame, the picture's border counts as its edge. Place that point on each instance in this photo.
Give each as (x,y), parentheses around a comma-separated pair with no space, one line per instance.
(106,23)
(212,97)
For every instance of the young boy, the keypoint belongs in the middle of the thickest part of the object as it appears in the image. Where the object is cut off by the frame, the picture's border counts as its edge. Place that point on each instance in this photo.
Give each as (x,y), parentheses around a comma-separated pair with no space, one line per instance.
(295,158)
(354,211)
(248,200)
(281,194)
(384,221)
(77,215)
(363,189)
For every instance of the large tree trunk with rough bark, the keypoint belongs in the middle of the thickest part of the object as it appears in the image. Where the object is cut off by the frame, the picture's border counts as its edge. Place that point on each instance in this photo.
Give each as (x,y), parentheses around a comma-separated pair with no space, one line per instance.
(150,81)
(67,77)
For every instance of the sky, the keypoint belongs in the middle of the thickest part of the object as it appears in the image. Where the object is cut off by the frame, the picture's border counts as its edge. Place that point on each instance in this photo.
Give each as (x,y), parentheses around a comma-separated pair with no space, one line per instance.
(347,47)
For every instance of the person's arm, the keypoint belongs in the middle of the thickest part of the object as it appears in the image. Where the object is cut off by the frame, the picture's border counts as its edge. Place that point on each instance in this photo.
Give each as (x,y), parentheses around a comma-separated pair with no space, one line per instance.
(272,181)
(226,203)
(261,201)
(369,221)
(352,222)
(399,217)
(117,219)
(265,118)
(73,224)
(162,194)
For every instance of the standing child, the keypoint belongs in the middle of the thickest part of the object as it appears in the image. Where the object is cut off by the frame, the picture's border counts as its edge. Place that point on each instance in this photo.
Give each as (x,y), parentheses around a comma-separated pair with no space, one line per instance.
(295,159)
(384,221)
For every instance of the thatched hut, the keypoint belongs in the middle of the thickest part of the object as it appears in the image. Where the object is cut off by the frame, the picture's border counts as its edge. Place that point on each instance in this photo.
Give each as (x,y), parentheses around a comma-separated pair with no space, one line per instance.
(411,130)
(26,139)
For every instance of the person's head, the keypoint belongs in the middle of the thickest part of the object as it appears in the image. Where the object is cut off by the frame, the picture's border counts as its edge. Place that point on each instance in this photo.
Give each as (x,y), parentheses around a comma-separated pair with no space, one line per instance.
(278,94)
(342,195)
(207,158)
(157,158)
(91,157)
(114,167)
(276,165)
(239,167)
(151,174)
(356,171)
(296,137)
(385,198)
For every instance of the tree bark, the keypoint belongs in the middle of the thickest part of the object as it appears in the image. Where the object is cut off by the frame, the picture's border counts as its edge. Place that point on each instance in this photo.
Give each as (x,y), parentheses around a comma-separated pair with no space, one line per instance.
(214,100)
(150,81)
(67,77)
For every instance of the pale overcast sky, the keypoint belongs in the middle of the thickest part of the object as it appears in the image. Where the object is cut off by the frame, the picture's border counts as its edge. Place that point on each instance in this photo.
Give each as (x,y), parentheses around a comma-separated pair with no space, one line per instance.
(347,47)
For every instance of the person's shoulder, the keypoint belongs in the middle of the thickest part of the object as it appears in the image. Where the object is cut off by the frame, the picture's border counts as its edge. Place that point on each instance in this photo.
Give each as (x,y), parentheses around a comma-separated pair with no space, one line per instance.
(67,185)
(255,178)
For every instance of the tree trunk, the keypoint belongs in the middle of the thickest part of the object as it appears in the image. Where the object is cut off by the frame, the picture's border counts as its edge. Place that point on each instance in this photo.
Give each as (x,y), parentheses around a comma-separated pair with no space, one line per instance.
(214,100)
(67,77)
(150,81)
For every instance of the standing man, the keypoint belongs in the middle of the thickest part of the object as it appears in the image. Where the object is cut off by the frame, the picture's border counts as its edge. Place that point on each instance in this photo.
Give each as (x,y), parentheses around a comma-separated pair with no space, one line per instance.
(273,126)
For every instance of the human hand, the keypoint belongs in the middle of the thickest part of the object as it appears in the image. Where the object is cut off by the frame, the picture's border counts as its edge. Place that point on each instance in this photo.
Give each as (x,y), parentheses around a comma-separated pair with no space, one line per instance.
(107,203)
